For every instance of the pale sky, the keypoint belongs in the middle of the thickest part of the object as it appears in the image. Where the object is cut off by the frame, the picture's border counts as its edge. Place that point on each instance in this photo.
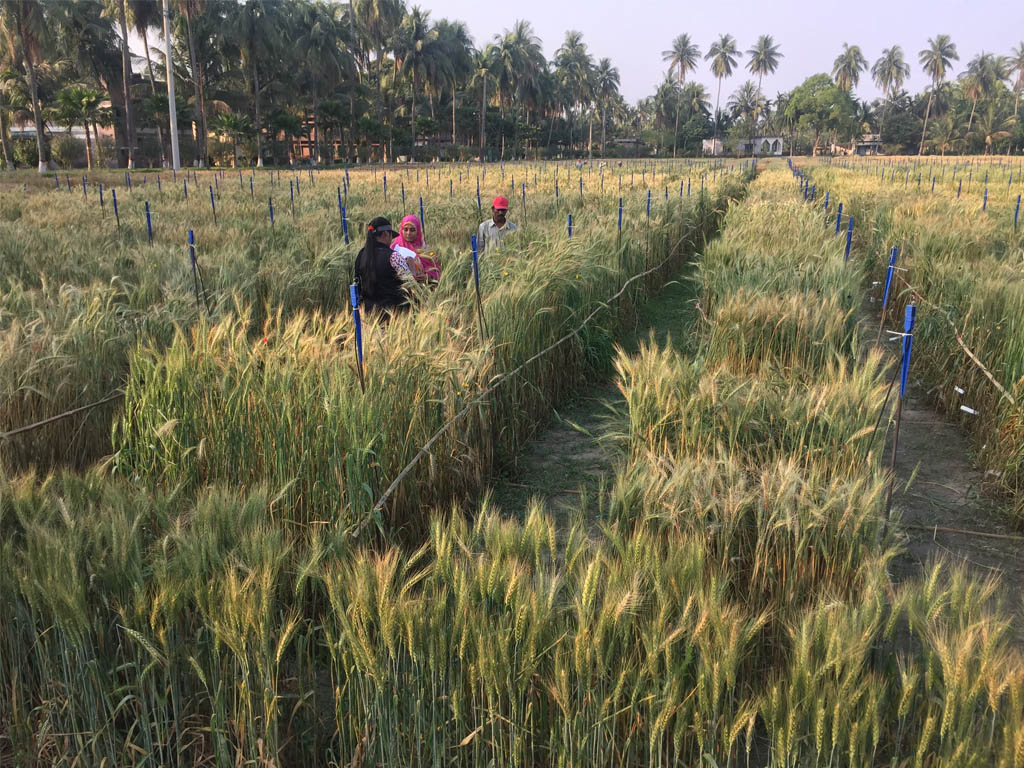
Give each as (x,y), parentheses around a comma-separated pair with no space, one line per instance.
(633,33)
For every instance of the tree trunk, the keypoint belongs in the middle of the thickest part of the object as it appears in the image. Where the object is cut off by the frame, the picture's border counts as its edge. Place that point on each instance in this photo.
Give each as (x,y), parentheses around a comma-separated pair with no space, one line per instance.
(675,134)
(314,151)
(718,96)
(604,120)
(33,92)
(256,104)
(590,139)
(5,141)
(152,84)
(483,117)
(453,119)
(927,112)
(970,121)
(88,146)
(197,89)
(412,112)
(126,74)
(234,150)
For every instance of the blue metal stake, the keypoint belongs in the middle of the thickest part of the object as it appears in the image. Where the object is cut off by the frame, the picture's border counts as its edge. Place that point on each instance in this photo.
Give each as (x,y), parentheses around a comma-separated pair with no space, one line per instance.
(149,223)
(984,202)
(353,291)
(213,206)
(423,221)
(839,218)
(270,204)
(849,239)
(113,196)
(570,226)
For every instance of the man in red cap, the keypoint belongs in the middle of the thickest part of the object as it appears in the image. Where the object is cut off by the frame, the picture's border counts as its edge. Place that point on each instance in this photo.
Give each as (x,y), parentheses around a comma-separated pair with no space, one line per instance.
(491,233)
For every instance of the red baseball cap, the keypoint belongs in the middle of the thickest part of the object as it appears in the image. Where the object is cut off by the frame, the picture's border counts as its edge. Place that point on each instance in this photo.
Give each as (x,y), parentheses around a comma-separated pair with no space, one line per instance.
(500,202)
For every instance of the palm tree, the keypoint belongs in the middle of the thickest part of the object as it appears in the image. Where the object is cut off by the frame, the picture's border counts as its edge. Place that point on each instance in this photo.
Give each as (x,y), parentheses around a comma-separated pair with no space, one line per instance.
(993,125)
(889,73)
(143,15)
(324,61)
(254,28)
(456,49)
(682,57)
(764,59)
(483,64)
(847,67)
(80,105)
(936,61)
(191,9)
(1015,65)
(984,73)
(574,70)
(233,124)
(517,62)
(413,44)
(722,55)
(25,29)
(119,8)
(376,19)
(606,85)
(944,133)
(12,101)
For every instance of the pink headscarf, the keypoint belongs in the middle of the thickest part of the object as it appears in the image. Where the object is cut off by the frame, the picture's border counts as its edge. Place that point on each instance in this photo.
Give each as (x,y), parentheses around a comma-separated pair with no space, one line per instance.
(416,243)
(430,267)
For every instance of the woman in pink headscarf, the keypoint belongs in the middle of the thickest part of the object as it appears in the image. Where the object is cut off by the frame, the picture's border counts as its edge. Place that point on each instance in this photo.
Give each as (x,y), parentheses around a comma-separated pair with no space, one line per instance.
(411,236)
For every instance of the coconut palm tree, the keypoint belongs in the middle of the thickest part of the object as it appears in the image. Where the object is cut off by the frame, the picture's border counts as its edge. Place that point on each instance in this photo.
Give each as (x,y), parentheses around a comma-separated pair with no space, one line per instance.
(483,66)
(143,14)
(722,55)
(889,73)
(936,61)
(119,10)
(233,125)
(993,125)
(682,57)
(945,133)
(24,27)
(764,59)
(847,67)
(984,73)
(254,29)
(456,49)
(1015,67)
(574,70)
(80,105)
(376,21)
(606,86)
(413,43)
(12,101)
(324,61)
(191,10)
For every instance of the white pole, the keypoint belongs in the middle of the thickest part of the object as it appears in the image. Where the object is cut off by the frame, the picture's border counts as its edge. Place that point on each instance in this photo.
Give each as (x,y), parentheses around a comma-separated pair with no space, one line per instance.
(172,106)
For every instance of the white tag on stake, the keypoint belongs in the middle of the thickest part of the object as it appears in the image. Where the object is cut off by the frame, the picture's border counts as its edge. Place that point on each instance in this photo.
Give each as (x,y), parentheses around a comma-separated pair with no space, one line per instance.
(971,411)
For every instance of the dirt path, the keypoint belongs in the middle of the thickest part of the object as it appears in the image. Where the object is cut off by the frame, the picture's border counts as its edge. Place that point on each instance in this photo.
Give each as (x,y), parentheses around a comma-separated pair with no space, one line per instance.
(567,463)
(945,492)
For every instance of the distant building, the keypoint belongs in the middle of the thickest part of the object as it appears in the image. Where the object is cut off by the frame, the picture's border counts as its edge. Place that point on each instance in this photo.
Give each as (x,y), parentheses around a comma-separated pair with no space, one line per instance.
(762,145)
(869,144)
(712,147)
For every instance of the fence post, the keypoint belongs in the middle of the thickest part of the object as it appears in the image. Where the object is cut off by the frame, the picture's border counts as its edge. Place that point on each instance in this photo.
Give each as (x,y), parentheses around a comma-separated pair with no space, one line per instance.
(353,291)
(908,344)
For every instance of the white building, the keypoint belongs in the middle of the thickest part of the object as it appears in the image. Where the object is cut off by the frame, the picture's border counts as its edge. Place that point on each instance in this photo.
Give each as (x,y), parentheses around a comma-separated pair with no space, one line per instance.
(762,146)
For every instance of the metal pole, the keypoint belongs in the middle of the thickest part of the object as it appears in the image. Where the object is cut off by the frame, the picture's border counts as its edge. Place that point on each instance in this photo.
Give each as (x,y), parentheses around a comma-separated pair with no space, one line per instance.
(172,106)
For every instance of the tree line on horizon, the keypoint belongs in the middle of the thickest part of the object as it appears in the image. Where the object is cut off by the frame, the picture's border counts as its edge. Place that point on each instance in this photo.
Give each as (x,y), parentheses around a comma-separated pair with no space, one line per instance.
(375,80)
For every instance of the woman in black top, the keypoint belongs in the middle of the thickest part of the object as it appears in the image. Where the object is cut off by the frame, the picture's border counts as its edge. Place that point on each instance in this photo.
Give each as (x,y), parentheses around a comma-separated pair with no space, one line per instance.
(380,284)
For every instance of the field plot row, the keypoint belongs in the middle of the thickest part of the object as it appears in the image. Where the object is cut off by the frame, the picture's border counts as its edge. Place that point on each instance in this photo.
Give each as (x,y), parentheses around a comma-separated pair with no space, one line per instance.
(82,295)
(960,255)
(732,606)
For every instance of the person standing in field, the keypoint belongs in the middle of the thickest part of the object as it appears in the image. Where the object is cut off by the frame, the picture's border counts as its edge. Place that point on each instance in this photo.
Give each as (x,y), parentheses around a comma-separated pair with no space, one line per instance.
(379,269)
(491,233)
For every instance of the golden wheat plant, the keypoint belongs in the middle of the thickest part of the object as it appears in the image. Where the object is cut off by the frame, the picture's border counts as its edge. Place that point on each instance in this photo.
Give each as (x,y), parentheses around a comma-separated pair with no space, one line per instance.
(963,256)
